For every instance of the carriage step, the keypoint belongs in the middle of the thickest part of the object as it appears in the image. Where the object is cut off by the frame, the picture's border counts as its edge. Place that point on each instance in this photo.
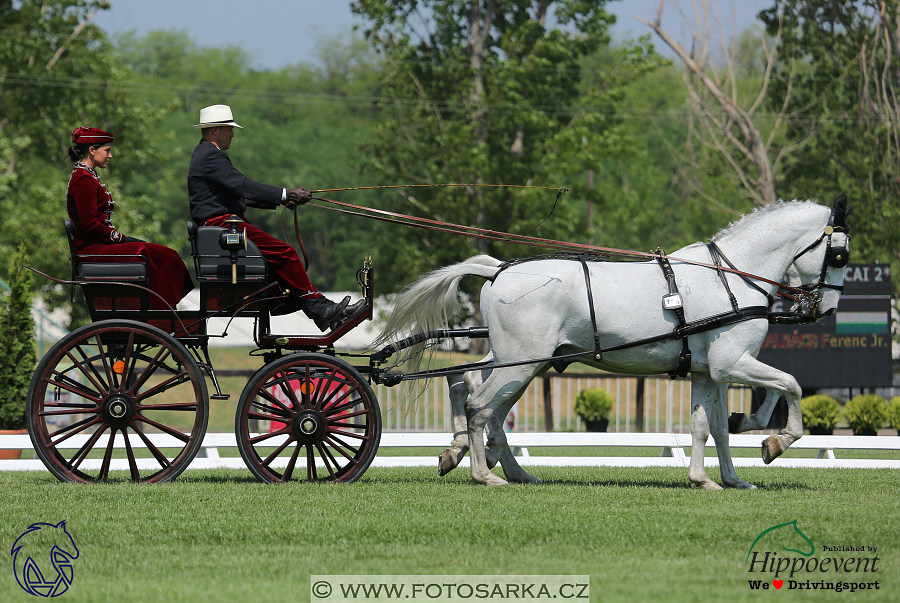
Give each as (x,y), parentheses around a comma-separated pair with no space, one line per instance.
(220,396)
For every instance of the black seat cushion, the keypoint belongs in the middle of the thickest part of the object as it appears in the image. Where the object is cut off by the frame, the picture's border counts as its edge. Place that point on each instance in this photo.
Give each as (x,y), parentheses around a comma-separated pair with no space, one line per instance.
(124,271)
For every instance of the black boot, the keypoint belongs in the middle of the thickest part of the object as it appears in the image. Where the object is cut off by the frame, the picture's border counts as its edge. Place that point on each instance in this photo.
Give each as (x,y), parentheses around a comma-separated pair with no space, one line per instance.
(351,310)
(325,313)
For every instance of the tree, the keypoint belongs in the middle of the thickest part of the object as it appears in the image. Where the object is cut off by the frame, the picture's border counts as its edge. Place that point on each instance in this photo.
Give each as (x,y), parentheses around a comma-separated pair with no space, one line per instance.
(18,360)
(730,104)
(59,72)
(481,91)
(851,78)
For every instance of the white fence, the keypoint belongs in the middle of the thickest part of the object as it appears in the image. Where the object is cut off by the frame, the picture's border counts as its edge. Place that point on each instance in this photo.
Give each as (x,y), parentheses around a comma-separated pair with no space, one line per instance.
(666,404)
(671,446)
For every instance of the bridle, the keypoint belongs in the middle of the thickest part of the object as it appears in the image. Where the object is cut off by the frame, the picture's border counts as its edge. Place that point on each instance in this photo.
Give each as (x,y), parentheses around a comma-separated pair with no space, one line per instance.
(835,256)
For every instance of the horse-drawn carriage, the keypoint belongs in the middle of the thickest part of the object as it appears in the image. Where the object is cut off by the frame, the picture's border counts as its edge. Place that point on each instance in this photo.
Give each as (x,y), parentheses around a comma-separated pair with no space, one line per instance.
(309,414)
(133,383)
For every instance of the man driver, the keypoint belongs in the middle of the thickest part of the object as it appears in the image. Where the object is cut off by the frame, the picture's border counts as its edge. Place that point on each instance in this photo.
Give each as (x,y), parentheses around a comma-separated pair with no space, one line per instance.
(217,190)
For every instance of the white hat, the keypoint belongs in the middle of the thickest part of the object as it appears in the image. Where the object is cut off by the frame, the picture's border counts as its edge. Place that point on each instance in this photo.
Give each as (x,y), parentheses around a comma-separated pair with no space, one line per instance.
(216,115)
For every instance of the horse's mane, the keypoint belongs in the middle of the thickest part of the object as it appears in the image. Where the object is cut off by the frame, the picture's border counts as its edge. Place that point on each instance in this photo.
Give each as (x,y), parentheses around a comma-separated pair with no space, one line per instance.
(750,220)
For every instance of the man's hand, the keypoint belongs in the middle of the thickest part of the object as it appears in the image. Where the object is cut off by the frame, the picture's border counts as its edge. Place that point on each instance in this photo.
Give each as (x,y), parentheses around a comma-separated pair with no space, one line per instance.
(297,196)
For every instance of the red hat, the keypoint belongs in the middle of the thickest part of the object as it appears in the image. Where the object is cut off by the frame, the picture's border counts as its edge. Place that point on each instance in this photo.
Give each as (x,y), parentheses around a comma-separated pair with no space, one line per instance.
(90,136)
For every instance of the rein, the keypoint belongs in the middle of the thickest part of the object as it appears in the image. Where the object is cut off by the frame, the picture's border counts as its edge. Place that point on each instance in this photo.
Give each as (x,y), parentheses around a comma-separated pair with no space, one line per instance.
(505,237)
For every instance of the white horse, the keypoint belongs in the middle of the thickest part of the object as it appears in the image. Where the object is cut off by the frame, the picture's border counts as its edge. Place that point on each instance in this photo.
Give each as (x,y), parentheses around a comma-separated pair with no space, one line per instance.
(536,310)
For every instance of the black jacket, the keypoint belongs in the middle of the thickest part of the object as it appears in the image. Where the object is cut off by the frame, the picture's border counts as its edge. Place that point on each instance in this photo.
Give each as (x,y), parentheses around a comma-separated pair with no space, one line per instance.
(216,187)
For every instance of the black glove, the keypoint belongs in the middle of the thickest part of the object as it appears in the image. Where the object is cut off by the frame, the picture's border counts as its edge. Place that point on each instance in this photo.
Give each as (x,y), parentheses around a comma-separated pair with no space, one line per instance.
(297,196)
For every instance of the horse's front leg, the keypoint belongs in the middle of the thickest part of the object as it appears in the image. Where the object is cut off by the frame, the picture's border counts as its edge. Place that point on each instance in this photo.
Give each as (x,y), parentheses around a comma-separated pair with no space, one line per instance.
(703,398)
(750,371)
(739,422)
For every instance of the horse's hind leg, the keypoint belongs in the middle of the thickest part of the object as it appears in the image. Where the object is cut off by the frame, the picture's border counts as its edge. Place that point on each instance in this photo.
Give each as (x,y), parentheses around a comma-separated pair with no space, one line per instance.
(492,397)
(498,448)
(450,458)
(461,387)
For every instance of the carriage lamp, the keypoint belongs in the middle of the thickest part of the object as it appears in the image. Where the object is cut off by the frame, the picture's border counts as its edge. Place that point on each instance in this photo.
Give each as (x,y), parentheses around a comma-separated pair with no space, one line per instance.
(233,240)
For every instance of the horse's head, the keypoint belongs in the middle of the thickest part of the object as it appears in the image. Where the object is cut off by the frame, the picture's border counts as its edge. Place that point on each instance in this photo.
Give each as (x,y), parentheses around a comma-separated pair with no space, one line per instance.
(818,267)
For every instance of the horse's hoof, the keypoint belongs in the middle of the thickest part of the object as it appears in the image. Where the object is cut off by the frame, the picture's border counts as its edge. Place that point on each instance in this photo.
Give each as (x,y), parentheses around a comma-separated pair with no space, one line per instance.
(742,485)
(706,485)
(771,449)
(446,463)
(491,457)
(493,480)
(734,422)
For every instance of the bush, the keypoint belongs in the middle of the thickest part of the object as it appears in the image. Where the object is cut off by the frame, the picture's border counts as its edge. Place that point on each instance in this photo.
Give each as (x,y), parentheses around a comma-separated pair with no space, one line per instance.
(593,404)
(18,358)
(866,413)
(894,413)
(820,412)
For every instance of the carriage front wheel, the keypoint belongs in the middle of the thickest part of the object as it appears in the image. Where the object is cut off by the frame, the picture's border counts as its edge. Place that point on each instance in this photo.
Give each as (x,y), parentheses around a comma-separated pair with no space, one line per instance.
(308,417)
(117,394)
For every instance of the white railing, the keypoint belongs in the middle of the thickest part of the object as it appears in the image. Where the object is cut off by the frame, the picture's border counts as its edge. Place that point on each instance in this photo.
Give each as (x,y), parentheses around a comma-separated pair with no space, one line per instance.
(674,450)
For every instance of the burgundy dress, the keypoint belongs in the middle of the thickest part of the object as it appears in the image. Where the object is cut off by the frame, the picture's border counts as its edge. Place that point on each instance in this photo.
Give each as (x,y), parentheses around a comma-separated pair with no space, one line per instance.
(90,207)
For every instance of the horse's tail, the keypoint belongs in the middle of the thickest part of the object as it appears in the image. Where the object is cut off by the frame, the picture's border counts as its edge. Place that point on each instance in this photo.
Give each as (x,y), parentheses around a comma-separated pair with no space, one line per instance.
(429,302)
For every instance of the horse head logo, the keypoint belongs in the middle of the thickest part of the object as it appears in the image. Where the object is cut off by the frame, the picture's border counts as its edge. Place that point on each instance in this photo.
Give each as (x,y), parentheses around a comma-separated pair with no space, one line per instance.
(40,542)
(786,535)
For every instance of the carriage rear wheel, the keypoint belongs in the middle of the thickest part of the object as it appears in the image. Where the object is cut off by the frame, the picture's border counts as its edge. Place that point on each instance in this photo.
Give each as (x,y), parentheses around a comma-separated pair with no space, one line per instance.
(308,417)
(117,395)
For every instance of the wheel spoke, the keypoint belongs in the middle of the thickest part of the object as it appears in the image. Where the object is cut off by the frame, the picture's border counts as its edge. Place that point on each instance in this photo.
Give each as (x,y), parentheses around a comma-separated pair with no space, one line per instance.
(266,436)
(106,367)
(107,457)
(67,383)
(289,470)
(349,425)
(272,409)
(151,367)
(125,361)
(310,464)
(180,378)
(172,432)
(348,434)
(132,463)
(322,391)
(289,392)
(85,372)
(343,396)
(325,456)
(172,406)
(103,385)
(85,450)
(264,393)
(334,410)
(277,451)
(70,411)
(160,457)
(74,428)
(334,444)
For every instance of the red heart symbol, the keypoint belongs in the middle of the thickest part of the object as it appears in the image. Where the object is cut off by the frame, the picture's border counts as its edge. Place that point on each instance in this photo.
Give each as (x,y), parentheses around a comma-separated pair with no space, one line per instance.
(777,583)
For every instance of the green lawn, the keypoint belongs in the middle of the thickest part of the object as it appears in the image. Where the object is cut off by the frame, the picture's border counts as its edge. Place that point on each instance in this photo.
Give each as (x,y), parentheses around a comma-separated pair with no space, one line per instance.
(641,534)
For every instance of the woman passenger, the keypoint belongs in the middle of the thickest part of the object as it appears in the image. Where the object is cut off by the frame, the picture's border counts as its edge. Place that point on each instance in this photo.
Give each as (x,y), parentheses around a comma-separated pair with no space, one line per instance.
(90,207)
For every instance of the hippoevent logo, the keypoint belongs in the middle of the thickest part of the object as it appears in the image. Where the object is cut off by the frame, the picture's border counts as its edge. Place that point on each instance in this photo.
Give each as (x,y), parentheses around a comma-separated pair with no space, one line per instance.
(43,559)
(783,557)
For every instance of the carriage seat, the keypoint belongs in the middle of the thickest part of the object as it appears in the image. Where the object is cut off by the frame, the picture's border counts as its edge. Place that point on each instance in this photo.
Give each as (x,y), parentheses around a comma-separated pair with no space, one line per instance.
(102,271)
(213,263)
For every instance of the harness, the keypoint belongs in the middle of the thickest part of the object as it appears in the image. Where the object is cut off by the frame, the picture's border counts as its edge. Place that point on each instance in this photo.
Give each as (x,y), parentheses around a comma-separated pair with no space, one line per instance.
(836,257)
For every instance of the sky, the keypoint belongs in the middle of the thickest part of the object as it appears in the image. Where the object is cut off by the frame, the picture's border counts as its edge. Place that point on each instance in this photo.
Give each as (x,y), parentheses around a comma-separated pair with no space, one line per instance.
(284,32)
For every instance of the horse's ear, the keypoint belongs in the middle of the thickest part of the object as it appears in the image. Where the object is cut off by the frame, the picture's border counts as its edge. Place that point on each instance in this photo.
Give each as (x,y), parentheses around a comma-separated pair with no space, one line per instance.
(841,211)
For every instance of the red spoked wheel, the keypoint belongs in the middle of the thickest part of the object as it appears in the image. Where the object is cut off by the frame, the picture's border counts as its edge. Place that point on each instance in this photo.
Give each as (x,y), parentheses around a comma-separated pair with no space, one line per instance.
(117,395)
(308,417)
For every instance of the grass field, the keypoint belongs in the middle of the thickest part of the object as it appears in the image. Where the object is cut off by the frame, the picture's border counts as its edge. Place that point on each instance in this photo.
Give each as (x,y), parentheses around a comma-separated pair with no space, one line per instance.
(641,534)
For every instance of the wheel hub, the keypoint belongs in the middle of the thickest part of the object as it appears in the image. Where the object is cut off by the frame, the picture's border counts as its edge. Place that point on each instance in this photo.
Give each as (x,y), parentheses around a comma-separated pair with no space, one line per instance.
(118,410)
(309,426)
